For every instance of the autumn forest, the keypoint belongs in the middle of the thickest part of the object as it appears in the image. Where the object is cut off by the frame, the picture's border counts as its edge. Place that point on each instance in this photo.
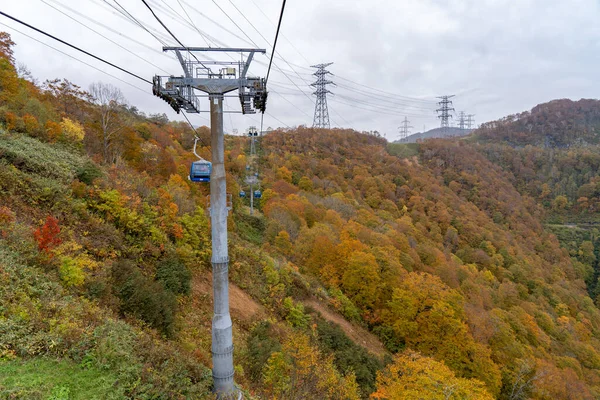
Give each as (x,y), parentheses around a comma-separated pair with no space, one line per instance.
(463,268)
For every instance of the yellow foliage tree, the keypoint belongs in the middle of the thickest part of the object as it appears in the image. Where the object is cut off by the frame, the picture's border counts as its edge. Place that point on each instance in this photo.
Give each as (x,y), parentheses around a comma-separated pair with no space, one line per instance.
(300,371)
(284,174)
(283,243)
(414,377)
(361,280)
(72,130)
(429,317)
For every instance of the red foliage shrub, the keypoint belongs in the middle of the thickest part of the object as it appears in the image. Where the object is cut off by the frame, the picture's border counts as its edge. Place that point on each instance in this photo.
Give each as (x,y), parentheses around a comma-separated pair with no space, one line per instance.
(46,235)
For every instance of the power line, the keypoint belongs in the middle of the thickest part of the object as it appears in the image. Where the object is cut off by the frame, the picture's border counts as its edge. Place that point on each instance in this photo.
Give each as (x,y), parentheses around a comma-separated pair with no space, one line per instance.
(193,129)
(216,23)
(175,16)
(170,33)
(254,43)
(277,119)
(306,68)
(385,98)
(126,13)
(98,33)
(353,105)
(416,99)
(76,59)
(163,25)
(282,35)
(110,29)
(192,22)
(232,21)
(74,47)
(382,107)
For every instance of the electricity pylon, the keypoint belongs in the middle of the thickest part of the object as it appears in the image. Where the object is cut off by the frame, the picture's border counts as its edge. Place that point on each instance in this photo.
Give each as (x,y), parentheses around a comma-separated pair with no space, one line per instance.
(470,121)
(445,108)
(321,118)
(179,92)
(405,129)
(461,120)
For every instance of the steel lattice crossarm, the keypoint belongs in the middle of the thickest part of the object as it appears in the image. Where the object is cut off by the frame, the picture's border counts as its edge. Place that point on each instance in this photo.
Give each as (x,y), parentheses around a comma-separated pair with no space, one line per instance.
(223,77)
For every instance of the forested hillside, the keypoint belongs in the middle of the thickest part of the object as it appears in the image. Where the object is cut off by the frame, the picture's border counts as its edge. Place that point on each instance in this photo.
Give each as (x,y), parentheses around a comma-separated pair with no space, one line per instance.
(556,124)
(366,272)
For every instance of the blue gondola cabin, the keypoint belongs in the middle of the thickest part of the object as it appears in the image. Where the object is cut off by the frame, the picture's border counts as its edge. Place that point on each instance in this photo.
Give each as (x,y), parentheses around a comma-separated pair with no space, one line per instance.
(257,194)
(242,194)
(200,171)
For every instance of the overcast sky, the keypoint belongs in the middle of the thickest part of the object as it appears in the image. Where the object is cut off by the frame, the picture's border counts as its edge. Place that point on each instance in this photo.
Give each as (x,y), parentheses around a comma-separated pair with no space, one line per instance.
(497,56)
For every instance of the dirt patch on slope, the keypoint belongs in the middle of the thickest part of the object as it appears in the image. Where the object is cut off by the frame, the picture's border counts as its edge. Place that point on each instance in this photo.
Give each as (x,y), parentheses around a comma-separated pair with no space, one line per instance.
(358,335)
(242,306)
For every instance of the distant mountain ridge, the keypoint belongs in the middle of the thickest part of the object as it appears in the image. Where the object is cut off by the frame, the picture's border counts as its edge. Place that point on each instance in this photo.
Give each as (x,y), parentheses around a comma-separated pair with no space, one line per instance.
(560,123)
(435,134)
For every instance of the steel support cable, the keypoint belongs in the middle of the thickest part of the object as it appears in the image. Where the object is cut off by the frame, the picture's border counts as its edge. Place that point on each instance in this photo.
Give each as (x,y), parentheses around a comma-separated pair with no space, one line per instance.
(134,20)
(175,16)
(274,52)
(193,129)
(214,22)
(282,35)
(171,33)
(254,43)
(153,49)
(98,69)
(306,68)
(191,21)
(277,119)
(107,38)
(76,59)
(295,106)
(163,25)
(74,47)
(233,22)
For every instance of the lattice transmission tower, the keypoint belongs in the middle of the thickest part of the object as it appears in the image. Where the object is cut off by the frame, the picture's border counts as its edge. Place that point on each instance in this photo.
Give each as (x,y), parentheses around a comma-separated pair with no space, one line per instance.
(462,119)
(445,108)
(404,129)
(470,121)
(321,118)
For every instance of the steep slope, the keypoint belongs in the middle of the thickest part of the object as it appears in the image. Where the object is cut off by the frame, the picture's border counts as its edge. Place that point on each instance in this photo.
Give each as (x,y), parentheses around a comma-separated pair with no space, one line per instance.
(441,255)
(104,259)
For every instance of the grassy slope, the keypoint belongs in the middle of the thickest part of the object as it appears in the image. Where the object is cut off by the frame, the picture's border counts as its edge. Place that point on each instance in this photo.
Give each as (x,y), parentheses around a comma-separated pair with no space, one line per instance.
(43,378)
